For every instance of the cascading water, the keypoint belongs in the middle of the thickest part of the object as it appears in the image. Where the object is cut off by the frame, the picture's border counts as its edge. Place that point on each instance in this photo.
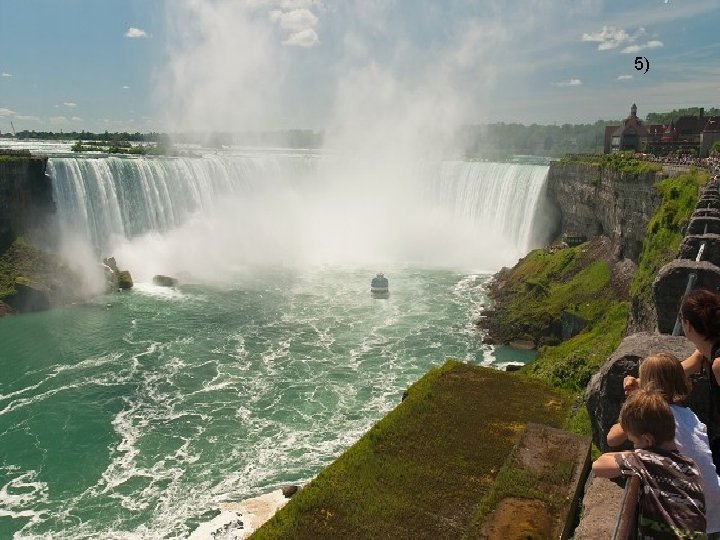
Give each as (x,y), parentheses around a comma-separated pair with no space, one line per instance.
(134,416)
(483,211)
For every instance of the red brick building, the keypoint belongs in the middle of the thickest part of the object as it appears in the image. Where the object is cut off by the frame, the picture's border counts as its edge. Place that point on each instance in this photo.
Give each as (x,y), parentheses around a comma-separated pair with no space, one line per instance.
(693,135)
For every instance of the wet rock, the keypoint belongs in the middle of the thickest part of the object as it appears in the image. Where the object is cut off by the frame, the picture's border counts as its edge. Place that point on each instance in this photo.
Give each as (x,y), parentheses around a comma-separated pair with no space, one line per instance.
(125,280)
(290,490)
(29,296)
(5,309)
(164,281)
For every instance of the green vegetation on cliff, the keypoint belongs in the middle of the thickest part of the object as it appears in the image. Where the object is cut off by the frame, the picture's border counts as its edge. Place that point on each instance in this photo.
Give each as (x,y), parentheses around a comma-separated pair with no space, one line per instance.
(663,234)
(571,363)
(424,469)
(548,286)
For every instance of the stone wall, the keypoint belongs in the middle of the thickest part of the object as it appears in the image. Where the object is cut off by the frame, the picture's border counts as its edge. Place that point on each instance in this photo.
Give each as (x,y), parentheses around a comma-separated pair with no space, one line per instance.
(593,201)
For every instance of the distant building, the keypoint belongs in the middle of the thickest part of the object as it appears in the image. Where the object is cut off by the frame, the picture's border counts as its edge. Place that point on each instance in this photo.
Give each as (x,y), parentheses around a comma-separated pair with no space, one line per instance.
(687,135)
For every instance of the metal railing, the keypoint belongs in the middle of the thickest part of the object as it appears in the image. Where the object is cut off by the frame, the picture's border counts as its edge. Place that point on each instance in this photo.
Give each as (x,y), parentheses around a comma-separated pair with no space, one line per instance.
(626,526)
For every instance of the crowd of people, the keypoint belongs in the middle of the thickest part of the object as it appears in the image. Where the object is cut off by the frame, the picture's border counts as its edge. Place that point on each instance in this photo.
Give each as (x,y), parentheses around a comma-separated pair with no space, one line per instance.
(711,163)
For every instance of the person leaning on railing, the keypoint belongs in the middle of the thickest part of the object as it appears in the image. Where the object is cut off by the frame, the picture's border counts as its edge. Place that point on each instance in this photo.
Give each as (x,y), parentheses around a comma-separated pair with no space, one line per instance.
(700,317)
(663,373)
(672,504)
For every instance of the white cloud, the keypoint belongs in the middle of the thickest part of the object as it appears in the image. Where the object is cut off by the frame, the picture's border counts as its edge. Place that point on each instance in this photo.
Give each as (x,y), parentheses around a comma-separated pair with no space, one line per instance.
(295,21)
(304,38)
(126,87)
(76,119)
(569,82)
(27,118)
(299,4)
(300,24)
(70,104)
(654,44)
(611,37)
(608,38)
(6,74)
(6,112)
(58,120)
(135,33)
(624,77)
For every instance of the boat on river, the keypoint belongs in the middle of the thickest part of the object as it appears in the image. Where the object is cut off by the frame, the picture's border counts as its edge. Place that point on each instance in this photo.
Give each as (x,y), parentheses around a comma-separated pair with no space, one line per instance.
(379,286)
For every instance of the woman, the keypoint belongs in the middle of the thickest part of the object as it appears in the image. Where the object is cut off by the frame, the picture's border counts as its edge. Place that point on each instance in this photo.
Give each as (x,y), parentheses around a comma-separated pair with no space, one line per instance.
(700,315)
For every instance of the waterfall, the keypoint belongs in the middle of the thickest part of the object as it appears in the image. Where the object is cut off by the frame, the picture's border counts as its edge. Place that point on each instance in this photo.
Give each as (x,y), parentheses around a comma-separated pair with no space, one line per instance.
(269,207)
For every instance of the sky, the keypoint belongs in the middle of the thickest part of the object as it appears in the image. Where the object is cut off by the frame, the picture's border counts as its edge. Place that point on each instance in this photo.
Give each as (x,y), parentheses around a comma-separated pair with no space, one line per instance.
(237,65)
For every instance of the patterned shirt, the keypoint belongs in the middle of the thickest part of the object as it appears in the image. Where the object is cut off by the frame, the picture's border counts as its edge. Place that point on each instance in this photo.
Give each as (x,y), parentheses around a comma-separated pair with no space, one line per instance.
(672,504)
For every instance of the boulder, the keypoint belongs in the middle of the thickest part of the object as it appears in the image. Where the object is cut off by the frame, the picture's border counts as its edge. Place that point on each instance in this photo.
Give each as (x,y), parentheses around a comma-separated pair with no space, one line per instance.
(164,281)
(604,393)
(670,284)
(29,296)
(704,225)
(290,490)
(571,325)
(125,280)
(691,246)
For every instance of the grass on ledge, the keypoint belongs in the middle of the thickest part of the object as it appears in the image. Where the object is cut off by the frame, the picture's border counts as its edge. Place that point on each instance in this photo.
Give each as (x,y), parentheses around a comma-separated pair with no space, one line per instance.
(423,470)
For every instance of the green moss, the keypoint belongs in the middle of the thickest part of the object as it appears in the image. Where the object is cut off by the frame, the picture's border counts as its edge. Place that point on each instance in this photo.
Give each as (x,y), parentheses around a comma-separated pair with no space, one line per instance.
(570,364)
(423,470)
(663,235)
(545,284)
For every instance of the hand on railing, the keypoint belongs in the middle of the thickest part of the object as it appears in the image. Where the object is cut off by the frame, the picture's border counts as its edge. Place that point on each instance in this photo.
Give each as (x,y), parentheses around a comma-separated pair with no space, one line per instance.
(630,384)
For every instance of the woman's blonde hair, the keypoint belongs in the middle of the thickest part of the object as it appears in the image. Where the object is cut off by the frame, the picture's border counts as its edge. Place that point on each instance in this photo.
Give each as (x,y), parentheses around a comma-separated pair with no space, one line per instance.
(663,372)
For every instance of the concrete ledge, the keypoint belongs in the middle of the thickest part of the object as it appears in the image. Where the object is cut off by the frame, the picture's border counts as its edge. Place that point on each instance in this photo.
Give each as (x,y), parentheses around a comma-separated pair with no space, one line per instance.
(600,509)
(558,461)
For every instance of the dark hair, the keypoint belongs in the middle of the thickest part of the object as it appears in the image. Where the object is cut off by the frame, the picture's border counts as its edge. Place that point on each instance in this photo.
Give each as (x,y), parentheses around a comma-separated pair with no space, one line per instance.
(646,411)
(701,308)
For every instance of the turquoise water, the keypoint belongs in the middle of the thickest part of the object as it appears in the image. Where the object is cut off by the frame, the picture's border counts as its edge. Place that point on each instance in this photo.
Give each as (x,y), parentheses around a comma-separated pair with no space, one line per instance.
(132,417)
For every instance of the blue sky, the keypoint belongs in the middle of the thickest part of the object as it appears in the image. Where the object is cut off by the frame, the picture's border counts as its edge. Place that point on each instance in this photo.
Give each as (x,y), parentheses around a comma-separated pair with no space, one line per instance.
(141,65)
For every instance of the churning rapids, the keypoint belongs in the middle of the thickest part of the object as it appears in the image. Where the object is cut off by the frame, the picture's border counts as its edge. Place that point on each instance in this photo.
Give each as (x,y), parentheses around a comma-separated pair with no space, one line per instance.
(133,416)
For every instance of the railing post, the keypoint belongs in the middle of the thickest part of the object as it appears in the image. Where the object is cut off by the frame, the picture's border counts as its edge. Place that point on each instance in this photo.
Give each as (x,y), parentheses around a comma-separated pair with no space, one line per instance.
(678,323)
(626,527)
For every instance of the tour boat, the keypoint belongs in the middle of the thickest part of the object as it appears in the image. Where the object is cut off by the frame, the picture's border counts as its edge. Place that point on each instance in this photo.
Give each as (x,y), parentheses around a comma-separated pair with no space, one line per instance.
(379,286)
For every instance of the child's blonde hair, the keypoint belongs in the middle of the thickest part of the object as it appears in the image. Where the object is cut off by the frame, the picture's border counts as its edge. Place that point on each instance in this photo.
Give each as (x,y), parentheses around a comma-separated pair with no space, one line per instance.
(663,372)
(647,411)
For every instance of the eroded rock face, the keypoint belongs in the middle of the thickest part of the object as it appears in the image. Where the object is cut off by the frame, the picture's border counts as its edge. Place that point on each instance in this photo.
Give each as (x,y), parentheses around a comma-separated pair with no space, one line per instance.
(612,203)
(604,393)
(26,202)
(29,296)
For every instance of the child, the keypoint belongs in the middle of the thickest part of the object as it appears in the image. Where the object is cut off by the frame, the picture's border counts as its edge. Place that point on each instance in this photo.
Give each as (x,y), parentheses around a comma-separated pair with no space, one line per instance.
(672,504)
(664,372)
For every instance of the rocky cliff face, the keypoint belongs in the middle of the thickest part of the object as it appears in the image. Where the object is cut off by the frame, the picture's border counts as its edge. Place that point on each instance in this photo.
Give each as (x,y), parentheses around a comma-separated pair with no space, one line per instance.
(26,202)
(593,201)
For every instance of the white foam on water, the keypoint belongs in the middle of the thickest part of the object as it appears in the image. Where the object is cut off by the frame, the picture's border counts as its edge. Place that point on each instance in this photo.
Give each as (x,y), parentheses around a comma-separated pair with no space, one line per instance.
(150,289)
(239,520)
